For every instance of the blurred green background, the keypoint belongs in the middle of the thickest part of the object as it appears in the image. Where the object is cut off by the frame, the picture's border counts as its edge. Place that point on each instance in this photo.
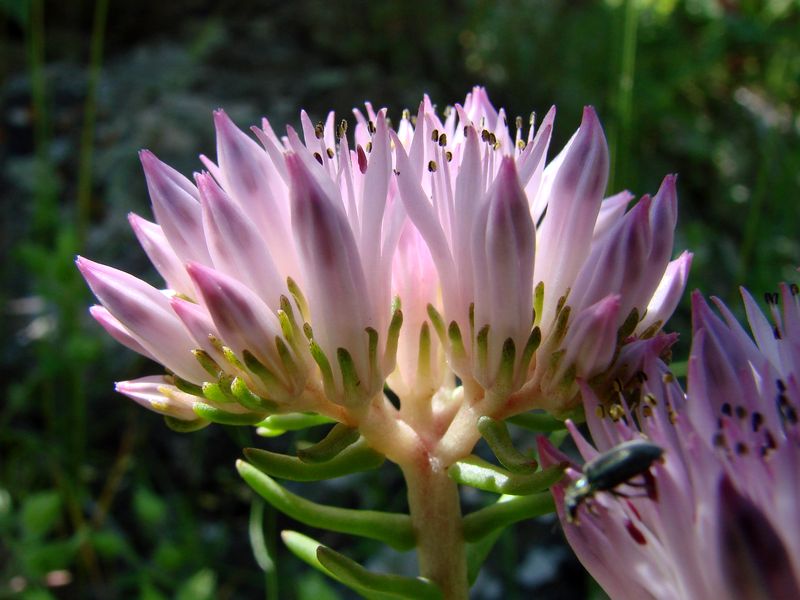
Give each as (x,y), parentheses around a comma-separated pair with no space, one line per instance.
(98,499)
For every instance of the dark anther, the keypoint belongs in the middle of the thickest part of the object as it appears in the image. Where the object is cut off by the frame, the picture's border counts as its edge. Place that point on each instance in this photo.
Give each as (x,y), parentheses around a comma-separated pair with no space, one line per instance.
(485,135)
(435,135)
(791,415)
(757,420)
(719,440)
(318,156)
(741,412)
(741,448)
(776,333)
(781,385)
(635,533)
(369,146)
(448,155)
(371,127)
(770,441)
(771,297)
(794,289)
(443,140)
(432,166)
(726,409)
(518,122)
(330,152)
(319,130)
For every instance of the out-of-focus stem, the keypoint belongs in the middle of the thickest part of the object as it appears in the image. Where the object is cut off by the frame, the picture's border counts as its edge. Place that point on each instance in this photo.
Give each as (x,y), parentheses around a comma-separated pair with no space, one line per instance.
(619,136)
(436,517)
(89,113)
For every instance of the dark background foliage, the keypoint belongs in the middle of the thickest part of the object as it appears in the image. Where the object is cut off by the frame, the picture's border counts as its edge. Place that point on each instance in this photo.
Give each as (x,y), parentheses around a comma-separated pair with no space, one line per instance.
(97,498)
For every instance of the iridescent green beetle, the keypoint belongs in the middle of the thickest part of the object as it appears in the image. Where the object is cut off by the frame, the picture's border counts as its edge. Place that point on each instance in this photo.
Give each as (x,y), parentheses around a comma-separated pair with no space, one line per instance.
(613,468)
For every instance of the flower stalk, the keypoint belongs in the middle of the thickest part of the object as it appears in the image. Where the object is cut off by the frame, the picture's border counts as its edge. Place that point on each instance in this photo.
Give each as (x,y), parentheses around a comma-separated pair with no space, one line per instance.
(438,526)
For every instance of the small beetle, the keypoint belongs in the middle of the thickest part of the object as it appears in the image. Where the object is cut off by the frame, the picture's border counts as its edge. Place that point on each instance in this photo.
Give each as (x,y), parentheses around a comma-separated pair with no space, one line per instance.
(613,468)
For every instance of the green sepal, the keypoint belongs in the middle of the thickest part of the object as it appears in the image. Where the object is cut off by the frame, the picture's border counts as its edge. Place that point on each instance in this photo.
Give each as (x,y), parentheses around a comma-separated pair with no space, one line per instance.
(534,339)
(338,438)
(496,435)
(541,422)
(232,359)
(289,326)
(457,349)
(182,426)
(250,400)
(424,355)
(216,392)
(209,364)
(393,529)
(356,458)
(560,328)
(378,585)
(393,334)
(538,302)
(215,415)
(504,512)
(187,386)
(438,323)
(482,346)
(319,356)
(305,548)
(628,325)
(652,330)
(275,425)
(273,385)
(375,372)
(478,473)
(505,374)
(350,379)
(298,296)
(287,360)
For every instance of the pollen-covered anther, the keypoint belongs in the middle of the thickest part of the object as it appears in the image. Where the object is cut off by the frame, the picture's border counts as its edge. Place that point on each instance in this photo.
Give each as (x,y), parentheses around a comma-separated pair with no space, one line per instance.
(616,412)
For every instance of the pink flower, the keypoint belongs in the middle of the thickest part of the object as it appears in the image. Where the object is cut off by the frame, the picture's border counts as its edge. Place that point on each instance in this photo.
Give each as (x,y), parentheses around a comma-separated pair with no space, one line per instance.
(725,521)
(290,265)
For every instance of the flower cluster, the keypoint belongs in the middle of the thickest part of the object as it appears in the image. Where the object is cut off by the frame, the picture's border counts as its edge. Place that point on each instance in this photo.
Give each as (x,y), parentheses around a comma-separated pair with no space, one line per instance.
(725,521)
(446,258)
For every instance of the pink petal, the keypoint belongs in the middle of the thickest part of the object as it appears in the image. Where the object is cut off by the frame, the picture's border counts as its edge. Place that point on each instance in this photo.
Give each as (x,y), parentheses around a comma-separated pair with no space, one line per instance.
(161,254)
(243,320)
(573,205)
(146,391)
(146,313)
(177,209)
(236,246)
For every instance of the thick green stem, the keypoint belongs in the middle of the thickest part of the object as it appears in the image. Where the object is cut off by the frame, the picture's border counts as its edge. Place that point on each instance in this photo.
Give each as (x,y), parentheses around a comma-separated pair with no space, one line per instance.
(436,517)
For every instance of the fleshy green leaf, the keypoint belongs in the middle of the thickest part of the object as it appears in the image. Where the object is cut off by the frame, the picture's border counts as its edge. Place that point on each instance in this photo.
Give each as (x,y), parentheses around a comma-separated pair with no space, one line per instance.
(537,421)
(355,458)
(496,435)
(387,586)
(391,528)
(478,473)
(339,437)
(481,523)
(370,585)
